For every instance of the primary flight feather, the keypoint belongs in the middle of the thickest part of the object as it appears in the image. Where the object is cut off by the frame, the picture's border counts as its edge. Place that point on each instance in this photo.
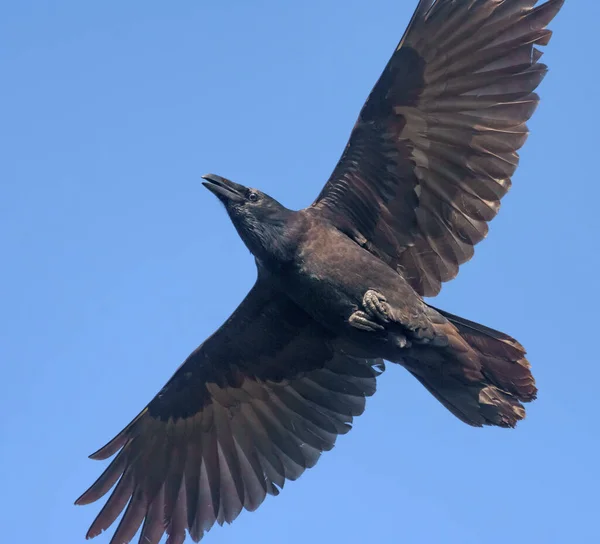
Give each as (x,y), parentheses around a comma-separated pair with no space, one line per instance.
(340,284)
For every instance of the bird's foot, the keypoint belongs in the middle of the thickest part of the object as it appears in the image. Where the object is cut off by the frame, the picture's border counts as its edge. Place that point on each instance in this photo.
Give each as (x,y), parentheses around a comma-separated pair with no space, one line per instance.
(376,306)
(377,313)
(363,321)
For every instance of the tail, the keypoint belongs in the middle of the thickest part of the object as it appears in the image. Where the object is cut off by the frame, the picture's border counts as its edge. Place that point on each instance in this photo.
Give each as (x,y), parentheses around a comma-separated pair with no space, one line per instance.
(480,375)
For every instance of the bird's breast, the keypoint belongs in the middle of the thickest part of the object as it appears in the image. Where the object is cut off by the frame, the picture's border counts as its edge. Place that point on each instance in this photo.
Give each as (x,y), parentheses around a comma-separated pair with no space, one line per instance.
(330,275)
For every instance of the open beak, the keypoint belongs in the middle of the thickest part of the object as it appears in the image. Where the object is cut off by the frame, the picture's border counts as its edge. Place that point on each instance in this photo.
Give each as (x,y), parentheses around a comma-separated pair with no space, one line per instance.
(225,190)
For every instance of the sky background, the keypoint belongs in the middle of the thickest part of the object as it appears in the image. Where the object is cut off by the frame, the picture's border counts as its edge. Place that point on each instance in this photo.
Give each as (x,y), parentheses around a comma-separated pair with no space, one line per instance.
(116,262)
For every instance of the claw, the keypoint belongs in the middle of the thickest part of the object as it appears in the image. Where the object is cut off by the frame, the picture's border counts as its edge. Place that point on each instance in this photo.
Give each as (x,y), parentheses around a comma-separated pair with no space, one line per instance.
(362,321)
(376,305)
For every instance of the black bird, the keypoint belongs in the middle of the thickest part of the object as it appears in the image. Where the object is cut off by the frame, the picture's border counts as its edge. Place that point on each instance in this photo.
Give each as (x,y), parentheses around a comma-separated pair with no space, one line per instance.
(340,285)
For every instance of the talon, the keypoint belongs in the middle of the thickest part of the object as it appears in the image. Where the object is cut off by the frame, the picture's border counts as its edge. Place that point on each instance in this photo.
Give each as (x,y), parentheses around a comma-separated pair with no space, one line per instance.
(362,321)
(376,305)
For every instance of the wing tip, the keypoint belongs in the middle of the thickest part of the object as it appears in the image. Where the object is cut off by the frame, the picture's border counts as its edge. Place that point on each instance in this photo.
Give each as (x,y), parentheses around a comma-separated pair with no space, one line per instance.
(109,449)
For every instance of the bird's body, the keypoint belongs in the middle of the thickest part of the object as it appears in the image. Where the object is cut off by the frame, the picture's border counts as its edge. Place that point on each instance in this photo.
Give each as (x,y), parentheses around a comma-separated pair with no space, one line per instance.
(341,284)
(328,276)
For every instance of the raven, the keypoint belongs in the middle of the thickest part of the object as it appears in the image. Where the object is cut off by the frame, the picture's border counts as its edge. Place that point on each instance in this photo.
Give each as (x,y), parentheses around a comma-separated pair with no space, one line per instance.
(340,285)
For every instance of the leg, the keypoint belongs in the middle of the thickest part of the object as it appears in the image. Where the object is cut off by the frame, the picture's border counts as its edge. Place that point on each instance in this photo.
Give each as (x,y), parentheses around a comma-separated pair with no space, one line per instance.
(376,305)
(364,322)
(376,315)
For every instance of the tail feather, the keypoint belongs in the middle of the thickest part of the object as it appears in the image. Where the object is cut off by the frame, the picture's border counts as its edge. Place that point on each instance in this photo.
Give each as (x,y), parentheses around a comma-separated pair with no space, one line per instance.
(480,335)
(482,375)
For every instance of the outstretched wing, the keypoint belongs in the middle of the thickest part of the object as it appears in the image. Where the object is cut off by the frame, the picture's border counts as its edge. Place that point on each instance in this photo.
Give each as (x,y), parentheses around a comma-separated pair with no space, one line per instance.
(254,405)
(435,145)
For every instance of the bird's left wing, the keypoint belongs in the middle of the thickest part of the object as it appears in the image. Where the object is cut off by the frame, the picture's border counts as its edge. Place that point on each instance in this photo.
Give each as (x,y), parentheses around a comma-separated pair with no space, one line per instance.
(254,405)
(435,145)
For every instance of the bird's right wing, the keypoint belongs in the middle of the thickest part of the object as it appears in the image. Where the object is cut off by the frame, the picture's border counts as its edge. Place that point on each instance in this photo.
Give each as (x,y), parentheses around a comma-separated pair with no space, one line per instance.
(254,405)
(435,145)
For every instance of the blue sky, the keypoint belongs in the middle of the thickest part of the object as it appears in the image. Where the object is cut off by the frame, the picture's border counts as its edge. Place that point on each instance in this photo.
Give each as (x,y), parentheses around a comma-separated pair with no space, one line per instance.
(117,263)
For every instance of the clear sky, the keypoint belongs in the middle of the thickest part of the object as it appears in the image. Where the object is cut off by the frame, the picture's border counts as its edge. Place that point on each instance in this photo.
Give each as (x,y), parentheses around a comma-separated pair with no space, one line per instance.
(116,262)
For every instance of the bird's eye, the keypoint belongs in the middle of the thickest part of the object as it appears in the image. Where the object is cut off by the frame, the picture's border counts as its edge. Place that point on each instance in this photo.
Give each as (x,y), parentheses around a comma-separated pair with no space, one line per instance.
(252,197)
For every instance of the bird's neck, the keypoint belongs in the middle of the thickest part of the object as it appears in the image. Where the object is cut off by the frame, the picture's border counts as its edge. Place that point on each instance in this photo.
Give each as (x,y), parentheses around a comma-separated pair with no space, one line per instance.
(276,244)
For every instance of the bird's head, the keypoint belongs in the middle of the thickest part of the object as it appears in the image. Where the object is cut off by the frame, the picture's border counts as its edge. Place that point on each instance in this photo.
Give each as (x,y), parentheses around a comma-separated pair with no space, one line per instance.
(260,220)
